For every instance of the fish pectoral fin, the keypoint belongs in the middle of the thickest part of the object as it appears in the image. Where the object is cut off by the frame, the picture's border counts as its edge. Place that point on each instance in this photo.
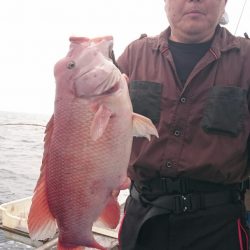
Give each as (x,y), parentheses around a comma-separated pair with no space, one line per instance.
(143,127)
(100,122)
(41,224)
(111,213)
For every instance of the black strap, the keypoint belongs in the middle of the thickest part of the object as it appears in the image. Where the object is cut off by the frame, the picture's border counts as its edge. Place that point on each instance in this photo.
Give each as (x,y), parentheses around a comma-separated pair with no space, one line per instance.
(188,202)
(167,185)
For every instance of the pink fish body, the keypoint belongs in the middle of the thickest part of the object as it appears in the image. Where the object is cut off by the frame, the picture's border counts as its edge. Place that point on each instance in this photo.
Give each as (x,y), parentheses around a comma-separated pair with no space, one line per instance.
(87,147)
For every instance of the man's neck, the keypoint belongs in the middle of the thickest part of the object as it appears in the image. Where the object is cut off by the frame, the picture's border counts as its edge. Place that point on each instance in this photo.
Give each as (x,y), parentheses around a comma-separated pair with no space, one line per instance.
(190,38)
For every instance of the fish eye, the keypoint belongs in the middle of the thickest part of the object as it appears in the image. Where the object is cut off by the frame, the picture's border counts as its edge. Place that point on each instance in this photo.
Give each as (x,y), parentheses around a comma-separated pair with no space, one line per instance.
(71,65)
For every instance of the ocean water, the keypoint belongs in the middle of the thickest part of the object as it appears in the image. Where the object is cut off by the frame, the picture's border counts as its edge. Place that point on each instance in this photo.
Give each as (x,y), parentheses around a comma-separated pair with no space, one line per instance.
(21,149)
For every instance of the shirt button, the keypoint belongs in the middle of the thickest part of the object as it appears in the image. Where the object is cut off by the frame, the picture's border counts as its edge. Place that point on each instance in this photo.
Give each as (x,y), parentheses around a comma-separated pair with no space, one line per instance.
(183,99)
(177,132)
(169,164)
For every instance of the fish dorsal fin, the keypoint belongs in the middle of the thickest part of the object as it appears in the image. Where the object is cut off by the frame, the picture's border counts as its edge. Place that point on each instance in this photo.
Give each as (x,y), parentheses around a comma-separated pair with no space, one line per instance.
(41,223)
(100,122)
(143,127)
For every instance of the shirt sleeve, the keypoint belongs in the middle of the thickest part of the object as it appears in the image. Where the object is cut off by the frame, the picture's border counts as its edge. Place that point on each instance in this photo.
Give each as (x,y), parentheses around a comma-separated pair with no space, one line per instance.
(123,62)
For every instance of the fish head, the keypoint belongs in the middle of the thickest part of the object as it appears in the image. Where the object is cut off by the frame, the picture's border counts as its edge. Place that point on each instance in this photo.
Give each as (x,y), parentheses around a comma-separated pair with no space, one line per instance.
(87,70)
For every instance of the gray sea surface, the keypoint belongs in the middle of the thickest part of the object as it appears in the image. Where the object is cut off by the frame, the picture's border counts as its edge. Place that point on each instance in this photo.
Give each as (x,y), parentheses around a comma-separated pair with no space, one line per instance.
(21,149)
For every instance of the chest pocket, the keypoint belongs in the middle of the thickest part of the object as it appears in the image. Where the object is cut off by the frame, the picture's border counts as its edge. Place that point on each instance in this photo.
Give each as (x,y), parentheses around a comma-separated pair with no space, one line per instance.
(146,99)
(225,111)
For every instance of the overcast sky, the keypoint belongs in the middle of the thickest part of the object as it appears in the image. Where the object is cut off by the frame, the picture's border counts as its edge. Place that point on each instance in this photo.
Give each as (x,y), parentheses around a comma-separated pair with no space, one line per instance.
(34,36)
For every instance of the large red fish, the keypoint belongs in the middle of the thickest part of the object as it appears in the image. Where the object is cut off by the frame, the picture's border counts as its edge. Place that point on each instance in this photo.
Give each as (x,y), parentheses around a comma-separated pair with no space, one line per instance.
(87,147)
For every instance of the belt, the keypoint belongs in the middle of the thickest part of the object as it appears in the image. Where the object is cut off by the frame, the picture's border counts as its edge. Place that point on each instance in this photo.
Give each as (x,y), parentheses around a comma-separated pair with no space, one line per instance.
(188,202)
(167,185)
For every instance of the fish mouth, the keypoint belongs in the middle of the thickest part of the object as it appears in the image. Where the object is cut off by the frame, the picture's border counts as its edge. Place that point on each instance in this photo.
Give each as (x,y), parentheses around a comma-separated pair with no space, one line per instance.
(112,89)
(107,92)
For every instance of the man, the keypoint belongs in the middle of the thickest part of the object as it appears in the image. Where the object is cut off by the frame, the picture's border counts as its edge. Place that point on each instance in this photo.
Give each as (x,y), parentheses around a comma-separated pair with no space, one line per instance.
(192,81)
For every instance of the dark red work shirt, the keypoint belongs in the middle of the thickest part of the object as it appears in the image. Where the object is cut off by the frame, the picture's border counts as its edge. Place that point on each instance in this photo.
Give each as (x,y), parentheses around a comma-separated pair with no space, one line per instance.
(204,125)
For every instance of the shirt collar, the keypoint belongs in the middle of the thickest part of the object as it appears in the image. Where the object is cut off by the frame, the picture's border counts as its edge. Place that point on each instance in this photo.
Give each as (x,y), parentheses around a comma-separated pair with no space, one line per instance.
(223,41)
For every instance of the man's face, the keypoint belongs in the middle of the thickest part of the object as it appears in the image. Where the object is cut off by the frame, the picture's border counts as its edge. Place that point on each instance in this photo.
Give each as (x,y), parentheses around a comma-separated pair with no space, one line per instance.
(193,20)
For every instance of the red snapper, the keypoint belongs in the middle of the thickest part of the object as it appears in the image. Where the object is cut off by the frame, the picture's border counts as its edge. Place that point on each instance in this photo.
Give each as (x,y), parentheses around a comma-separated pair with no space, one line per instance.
(87,147)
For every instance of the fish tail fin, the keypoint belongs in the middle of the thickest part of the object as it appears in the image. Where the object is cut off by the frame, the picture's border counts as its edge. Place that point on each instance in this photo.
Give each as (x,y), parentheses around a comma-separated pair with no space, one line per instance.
(95,245)
(111,214)
(41,223)
(60,246)
(143,127)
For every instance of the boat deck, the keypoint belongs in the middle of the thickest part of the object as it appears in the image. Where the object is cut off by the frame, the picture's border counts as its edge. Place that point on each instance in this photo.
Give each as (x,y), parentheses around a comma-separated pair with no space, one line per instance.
(13,222)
